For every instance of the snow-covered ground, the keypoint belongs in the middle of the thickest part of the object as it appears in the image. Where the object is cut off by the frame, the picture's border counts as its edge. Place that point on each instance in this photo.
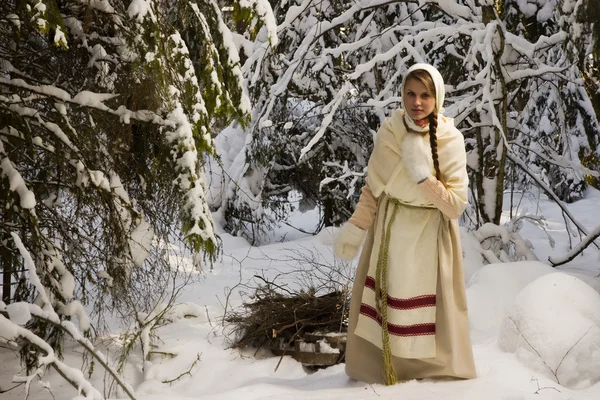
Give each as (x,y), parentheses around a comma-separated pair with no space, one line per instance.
(532,326)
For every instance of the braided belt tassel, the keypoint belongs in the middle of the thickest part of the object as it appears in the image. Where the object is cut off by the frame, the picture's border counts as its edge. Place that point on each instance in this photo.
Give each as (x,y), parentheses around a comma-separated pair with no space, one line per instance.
(381,286)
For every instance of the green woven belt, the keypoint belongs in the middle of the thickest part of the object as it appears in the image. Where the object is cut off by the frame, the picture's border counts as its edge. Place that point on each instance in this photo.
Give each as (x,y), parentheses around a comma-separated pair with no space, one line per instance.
(381,286)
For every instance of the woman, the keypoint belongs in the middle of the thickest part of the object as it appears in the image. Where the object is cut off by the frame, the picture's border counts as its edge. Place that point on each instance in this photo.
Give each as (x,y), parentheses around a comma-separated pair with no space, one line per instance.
(415,190)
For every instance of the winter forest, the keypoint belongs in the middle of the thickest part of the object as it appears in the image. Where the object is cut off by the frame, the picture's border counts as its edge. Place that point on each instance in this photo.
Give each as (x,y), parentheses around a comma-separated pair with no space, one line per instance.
(172,172)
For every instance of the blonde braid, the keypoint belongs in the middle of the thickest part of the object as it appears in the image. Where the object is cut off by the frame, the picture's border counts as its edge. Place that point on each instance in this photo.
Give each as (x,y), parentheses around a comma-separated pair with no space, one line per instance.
(433,124)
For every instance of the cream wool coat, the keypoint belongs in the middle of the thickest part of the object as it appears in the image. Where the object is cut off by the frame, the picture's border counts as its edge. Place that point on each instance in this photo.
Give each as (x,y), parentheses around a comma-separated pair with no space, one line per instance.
(425,261)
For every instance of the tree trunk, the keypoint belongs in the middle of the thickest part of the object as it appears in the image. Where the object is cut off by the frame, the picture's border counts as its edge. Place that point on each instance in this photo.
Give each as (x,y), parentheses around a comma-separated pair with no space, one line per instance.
(328,212)
(6,260)
(501,145)
(491,143)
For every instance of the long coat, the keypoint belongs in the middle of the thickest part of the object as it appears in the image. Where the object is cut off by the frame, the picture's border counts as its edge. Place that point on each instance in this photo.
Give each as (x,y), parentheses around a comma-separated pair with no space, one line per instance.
(426,302)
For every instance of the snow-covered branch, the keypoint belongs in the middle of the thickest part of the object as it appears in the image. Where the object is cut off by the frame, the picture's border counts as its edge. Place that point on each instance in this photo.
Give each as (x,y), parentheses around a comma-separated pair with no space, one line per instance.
(550,193)
(585,242)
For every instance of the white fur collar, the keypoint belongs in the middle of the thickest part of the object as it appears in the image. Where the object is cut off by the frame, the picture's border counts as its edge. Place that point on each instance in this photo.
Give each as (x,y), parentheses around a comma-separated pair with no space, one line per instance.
(416,156)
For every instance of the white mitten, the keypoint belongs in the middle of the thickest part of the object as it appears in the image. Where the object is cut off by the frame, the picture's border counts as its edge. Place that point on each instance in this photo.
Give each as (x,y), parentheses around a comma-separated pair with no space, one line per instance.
(416,156)
(348,241)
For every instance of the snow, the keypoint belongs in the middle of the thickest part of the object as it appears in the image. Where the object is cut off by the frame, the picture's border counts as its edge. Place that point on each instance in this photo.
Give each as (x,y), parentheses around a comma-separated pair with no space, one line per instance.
(473,259)
(325,347)
(67,284)
(30,265)
(106,276)
(189,355)
(183,310)
(59,38)
(19,313)
(98,52)
(293,13)
(101,5)
(489,195)
(264,11)
(233,57)
(492,290)
(138,9)
(87,98)
(190,182)
(61,108)
(141,242)
(554,328)
(99,180)
(528,9)
(40,6)
(330,109)
(8,330)
(117,186)
(308,347)
(75,308)
(554,310)
(577,249)
(42,89)
(545,13)
(17,183)
(14,18)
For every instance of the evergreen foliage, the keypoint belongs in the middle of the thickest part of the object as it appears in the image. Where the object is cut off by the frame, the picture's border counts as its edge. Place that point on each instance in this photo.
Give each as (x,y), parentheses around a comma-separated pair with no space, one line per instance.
(107,108)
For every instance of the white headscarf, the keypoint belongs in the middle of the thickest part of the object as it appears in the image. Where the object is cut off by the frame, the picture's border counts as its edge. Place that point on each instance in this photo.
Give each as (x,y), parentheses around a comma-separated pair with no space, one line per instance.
(440,93)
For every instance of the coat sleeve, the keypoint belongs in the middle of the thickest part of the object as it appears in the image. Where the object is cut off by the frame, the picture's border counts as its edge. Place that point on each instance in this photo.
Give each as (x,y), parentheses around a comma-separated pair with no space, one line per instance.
(451,195)
(365,211)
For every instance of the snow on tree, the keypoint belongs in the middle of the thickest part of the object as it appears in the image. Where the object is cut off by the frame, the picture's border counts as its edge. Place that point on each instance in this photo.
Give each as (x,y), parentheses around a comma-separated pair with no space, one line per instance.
(107,109)
(514,84)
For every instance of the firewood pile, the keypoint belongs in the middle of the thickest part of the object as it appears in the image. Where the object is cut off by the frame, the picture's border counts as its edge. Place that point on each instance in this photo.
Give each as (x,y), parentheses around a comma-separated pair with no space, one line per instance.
(310,328)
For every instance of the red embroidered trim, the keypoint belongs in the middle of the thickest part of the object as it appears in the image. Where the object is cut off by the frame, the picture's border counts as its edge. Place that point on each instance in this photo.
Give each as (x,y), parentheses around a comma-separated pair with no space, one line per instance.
(425,300)
(399,330)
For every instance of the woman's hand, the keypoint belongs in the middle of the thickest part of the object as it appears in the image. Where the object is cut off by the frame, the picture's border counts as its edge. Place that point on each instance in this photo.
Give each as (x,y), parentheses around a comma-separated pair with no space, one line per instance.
(348,241)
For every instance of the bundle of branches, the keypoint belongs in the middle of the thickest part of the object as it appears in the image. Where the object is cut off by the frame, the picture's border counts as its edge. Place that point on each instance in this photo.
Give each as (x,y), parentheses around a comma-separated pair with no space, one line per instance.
(274,317)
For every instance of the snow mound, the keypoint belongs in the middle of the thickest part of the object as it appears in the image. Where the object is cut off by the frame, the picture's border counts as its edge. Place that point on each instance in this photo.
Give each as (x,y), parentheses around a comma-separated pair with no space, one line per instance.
(234,242)
(594,282)
(554,328)
(492,291)
(473,260)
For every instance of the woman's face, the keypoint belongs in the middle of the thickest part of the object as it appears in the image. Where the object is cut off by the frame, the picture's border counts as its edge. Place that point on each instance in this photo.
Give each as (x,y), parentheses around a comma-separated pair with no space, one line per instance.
(419,103)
